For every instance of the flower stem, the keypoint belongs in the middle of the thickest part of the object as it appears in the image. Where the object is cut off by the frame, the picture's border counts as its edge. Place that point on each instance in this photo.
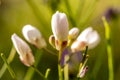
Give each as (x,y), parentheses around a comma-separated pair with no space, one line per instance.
(9,60)
(8,66)
(85,55)
(66,74)
(109,49)
(39,72)
(50,51)
(30,71)
(59,66)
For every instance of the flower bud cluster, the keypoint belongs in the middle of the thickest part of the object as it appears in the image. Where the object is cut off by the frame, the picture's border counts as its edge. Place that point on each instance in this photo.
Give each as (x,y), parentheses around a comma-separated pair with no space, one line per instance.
(70,43)
(61,34)
(71,40)
(33,36)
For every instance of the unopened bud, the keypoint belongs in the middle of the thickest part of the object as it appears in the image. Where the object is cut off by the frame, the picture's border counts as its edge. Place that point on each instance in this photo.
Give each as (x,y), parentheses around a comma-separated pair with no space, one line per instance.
(59,24)
(23,50)
(73,33)
(33,36)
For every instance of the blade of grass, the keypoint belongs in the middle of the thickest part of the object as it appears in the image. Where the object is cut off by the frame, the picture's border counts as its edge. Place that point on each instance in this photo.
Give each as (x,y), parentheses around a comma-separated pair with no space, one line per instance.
(72,20)
(47,73)
(80,8)
(8,66)
(35,8)
(9,60)
(88,14)
(36,11)
(109,49)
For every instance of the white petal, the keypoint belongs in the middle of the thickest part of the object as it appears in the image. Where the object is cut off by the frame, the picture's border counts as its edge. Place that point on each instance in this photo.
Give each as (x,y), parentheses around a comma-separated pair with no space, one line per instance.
(59,25)
(93,39)
(78,46)
(83,35)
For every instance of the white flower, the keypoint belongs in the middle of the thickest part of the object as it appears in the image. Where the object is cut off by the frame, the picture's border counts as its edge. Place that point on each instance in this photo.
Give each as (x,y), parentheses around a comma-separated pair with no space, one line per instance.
(23,50)
(33,36)
(88,37)
(59,24)
(73,33)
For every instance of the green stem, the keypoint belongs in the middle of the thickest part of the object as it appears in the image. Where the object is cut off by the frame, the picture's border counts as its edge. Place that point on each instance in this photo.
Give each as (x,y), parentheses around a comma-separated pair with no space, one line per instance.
(39,72)
(109,49)
(30,71)
(66,73)
(84,61)
(8,66)
(50,51)
(85,56)
(59,66)
(9,60)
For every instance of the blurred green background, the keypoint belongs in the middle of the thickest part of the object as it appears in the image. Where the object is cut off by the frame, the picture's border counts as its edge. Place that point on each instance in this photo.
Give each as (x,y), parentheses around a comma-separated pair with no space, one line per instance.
(14,14)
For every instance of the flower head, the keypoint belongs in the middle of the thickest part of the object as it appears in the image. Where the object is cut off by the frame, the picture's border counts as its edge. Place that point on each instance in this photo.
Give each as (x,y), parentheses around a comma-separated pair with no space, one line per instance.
(88,37)
(60,26)
(23,50)
(33,36)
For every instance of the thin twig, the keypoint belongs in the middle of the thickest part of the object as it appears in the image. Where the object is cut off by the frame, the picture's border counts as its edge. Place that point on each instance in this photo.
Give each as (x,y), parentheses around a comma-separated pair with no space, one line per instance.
(39,72)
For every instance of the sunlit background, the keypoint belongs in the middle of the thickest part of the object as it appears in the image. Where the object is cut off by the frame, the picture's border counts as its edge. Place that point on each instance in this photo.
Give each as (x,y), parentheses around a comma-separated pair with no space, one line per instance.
(14,14)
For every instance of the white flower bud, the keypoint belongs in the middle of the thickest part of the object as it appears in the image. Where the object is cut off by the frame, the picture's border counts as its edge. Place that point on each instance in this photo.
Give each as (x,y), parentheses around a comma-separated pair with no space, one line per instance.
(73,33)
(23,50)
(59,24)
(88,37)
(33,36)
